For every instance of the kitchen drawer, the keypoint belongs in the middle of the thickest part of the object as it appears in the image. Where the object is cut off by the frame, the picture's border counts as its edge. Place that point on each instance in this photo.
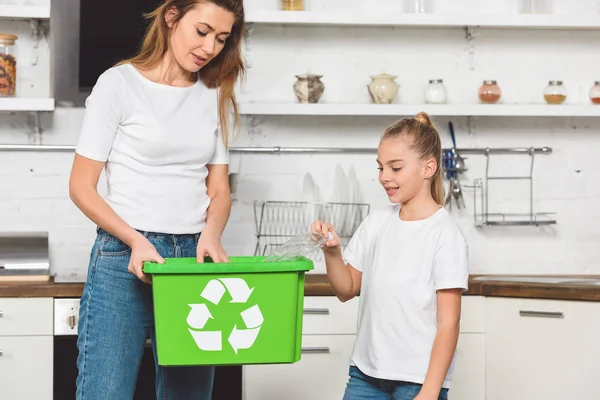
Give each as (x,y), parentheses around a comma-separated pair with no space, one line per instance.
(328,315)
(26,364)
(472,319)
(26,316)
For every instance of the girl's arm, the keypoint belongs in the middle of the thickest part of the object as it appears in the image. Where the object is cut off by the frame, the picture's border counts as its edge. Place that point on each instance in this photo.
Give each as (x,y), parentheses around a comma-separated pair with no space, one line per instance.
(344,278)
(444,345)
(217,215)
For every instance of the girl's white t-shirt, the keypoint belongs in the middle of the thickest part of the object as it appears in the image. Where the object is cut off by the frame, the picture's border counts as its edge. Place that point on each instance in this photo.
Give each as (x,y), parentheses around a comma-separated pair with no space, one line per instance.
(403,264)
(156,141)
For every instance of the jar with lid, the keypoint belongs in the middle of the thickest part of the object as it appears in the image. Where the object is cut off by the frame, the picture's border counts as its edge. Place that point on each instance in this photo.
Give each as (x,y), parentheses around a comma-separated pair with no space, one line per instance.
(555,92)
(595,93)
(292,5)
(8,65)
(489,92)
(435,93)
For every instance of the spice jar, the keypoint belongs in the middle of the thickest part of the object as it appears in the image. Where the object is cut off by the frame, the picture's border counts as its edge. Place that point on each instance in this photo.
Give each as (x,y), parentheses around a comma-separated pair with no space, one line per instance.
(292,5)
(555,92)
(8,65)
(489,92)
(435,93)
(595,93)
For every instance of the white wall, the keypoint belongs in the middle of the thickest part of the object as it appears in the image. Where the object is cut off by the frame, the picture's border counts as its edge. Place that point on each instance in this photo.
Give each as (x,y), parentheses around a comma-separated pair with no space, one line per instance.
(33,186)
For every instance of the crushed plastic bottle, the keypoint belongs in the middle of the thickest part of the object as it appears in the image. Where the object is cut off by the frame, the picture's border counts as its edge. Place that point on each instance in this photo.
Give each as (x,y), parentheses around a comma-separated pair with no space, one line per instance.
(299,246)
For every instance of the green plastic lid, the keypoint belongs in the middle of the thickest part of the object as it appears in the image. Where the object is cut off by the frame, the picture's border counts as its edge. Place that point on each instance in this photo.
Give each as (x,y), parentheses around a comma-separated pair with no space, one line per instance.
(237,265)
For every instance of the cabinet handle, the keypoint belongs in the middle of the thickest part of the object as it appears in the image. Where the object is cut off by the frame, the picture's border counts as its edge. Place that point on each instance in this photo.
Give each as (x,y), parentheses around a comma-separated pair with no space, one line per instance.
(315,350)
(316,311)
(1,314)
(72,321)
(1,353)
(541,314)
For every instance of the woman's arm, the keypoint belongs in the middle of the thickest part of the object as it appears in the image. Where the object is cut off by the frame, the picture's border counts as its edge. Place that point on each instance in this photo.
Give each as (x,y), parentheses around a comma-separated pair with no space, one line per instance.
(444,345)
(83,184)
(217,215)
(344,278)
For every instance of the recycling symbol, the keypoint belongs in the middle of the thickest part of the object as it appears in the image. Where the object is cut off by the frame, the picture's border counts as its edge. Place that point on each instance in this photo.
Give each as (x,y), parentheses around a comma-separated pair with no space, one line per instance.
(200,314)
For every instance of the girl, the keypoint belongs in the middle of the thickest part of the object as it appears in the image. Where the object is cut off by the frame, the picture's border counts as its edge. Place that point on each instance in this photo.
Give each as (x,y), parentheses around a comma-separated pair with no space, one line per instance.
(158,124)
(409,263)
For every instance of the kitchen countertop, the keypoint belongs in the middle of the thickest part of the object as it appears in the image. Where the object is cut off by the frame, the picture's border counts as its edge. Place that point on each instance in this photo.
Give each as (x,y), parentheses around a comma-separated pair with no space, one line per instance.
(317,285)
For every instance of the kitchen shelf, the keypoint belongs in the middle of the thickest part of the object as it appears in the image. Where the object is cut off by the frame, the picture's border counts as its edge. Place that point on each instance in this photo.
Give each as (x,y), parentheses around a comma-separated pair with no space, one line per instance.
(453,110)
(526,21)
(26,104)
(25,12)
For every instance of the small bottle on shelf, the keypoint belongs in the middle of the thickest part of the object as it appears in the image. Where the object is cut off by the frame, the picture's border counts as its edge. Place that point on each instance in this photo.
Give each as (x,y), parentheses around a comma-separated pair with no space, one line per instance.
(8,65)
(435,93)
(555,92)
(595,93)
(292,5)
(490,92)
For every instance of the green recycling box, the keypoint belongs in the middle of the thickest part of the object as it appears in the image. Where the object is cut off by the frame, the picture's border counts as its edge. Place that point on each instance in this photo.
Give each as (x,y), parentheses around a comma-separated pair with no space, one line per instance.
(243,312)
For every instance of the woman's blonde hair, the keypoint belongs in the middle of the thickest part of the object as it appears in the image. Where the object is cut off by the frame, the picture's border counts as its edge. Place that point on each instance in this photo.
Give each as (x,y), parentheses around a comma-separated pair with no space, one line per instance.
(222,72)
(423,138)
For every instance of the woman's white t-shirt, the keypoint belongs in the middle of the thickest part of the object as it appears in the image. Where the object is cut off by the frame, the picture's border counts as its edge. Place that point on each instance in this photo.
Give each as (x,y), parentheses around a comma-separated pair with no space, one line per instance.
(403,264)
(156,141)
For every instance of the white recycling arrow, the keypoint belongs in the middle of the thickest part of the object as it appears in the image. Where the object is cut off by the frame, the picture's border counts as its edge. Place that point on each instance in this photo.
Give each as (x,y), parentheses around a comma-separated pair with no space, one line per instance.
(213,291)
(252,317)
(238,289)
(198,316)
(242,339)
(207,340)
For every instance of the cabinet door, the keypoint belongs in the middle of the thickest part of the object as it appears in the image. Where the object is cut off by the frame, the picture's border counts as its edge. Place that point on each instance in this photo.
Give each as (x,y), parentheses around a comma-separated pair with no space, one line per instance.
(469,368)
(321,374)
(542,349)
(26,367)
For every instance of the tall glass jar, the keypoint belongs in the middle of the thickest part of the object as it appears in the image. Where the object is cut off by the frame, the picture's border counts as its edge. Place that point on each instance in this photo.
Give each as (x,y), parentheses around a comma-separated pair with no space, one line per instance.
(555,92)
(435,93)
(595,93)
(292,5)
(489,92)
(8,65)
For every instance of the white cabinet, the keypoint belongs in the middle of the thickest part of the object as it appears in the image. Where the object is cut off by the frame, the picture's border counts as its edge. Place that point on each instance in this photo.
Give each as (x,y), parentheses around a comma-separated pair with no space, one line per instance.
(26,348)
(321,374)
(329,331)
(469,368)
(26,367)
(542,349)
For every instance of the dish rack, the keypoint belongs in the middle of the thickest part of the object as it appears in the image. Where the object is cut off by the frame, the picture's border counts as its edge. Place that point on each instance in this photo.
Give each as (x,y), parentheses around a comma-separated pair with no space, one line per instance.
(481,195)
(279,221)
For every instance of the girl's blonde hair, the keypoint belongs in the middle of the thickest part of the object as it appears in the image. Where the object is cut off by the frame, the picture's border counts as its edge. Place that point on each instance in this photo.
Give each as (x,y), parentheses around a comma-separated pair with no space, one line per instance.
(423,138)
(222,72)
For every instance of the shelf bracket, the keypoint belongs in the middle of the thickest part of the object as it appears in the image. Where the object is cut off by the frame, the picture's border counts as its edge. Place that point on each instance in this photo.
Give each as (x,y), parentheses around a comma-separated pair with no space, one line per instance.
(39,30)
(471,33)
(253,125)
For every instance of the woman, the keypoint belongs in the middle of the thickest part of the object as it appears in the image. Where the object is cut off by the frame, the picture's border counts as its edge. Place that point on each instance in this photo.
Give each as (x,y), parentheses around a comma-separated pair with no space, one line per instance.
(158,125)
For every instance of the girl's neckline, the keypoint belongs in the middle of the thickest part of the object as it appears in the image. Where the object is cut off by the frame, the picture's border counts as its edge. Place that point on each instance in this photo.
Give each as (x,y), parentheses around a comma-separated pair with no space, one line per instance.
(162,85)
(418,221)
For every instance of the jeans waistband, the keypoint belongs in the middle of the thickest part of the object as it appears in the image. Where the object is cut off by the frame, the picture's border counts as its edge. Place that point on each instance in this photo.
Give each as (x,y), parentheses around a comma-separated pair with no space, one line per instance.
(154,235)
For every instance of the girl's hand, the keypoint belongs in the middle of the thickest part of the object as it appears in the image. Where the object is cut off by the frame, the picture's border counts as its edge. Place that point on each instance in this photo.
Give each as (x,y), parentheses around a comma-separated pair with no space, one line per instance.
(210,245)
(142,250)
(325,229)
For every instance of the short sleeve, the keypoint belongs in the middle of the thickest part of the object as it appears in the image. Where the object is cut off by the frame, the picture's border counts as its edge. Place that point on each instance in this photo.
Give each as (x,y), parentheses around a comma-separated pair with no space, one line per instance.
(451,261)
(221,154)
(103,114)
(354,253)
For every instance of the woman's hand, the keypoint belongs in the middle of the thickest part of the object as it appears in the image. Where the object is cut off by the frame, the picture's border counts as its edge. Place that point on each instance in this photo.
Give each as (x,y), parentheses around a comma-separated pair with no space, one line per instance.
(326,229)
(142,250)
(209,244)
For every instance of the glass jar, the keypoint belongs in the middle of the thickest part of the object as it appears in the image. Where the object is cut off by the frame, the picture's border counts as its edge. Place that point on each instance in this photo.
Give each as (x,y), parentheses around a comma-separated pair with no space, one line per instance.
(292,5)
(435,93)
(489,92)
(595,93)
(8,65)
(555,92)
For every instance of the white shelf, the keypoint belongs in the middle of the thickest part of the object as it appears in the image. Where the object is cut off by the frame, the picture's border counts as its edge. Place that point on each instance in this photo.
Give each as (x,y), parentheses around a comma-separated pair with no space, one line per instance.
(26,104)
(528,21)
(25,12)
(451,110)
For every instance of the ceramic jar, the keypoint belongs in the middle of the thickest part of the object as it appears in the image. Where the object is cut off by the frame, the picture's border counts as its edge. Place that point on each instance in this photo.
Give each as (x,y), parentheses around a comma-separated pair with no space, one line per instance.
(383,88)
(309,88)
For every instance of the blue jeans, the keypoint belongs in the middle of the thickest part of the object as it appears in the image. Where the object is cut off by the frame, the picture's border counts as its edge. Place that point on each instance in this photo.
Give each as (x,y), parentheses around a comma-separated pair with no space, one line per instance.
(115,319)
(363,387)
